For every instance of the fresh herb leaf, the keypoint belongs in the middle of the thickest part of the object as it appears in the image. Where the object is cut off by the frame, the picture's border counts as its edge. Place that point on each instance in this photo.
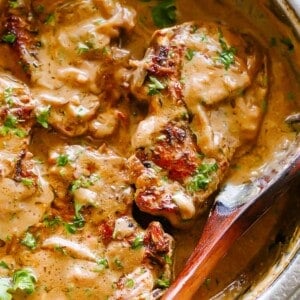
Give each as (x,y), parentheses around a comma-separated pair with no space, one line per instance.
(27,181)
(7,95)
(70,228)
(207,282)
(168,259)
(62,160)
(29,240)
(118,263)
(42,117)
(24,280)
(13,4)
(202,177)
(11,121)
(4,130)
(50,19)
(50,221)
(84,47)
(189,54)
(9,38)
(5,287)
(137,243)
(227,56)
(3,265)
(164,13)
(155,86)
(129,283)
(84,182)
(102,264)
(19,132)
(163,282)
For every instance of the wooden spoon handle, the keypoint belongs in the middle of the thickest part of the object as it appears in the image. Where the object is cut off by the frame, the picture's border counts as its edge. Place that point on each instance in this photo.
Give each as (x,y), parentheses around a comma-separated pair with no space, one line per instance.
(223,227)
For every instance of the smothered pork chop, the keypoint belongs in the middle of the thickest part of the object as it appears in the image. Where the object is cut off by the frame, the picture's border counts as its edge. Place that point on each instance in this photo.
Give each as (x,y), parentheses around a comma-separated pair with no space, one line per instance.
(205,86)
(88,131)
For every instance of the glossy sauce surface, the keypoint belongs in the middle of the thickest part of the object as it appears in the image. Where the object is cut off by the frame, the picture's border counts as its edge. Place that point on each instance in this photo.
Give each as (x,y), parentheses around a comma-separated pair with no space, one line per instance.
(90,108)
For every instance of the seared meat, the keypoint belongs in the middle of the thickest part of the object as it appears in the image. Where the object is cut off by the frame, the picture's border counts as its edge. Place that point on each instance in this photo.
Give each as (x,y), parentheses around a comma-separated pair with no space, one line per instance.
(72,54)
(205,86)
(24,194)
(89,228)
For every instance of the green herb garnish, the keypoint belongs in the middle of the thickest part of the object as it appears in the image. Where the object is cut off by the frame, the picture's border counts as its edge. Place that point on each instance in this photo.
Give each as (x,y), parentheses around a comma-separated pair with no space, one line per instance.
(50,221)
(102,264)
(42,117)
(189,54)
(29,240)
(202,177)
(7,95)
(227,56)
(24,280)
(164,13)
(27,181)
(9,38)
(84,182)
(3,265)
(155,86)
(163,282)
(129,283)
(118,263)
(13,4)
(137,243)
(50,19)
(62,160)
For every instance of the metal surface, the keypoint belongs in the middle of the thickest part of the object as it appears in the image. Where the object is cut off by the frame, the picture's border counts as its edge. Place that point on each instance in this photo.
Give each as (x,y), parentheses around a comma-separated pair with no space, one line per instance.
(286,284)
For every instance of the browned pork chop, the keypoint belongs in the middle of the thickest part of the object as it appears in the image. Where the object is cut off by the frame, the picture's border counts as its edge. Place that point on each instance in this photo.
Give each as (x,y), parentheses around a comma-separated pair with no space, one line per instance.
(205,85)
(24,194)
(75,67)
(89,236)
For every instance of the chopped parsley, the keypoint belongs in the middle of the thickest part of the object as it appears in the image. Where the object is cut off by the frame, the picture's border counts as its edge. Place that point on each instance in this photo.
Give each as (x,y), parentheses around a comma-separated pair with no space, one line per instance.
(164,13)
(202,177)
(62,160)
(163,282)
(84,47)
(70,228)
(29,182)
(3,265)
(24,280)
(13,4)
(102,264)
(155,86)
(51,221)
(78,220)
(129,283)
(168,259)
(118,263)
(227,56)
(9,38)
(11,121)
(84,182)
(50,19)
(10,125)
(29,240)
(189,54)
(7,96)
(137,243)
(42,117)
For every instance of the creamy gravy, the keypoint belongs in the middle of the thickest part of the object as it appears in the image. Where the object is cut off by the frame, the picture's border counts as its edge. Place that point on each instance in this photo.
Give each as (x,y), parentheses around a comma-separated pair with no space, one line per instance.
(77,85)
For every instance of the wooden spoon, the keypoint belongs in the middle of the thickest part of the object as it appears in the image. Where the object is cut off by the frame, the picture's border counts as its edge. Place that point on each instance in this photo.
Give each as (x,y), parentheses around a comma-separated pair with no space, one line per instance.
(226,224)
